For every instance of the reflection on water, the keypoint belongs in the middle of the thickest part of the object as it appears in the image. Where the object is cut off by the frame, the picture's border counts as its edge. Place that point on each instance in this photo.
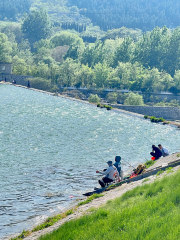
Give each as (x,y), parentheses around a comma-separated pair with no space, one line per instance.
(40,168)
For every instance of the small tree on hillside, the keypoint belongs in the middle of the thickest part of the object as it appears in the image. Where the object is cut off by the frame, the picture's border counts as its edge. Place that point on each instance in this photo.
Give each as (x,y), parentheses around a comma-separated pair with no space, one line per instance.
(134,99)
(94,98)
(36,25)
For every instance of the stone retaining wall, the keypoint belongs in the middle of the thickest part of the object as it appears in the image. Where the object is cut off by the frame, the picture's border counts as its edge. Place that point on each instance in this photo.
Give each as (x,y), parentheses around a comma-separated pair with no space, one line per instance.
(168,113)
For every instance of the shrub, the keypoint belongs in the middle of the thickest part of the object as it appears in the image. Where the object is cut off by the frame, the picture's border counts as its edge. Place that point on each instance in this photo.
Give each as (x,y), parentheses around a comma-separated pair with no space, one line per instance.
(161,120)
(146,116)
(154,119)
(94,98)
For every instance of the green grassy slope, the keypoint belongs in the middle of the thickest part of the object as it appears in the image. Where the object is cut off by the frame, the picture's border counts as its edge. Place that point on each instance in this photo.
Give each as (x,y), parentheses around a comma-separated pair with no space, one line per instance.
(150,212)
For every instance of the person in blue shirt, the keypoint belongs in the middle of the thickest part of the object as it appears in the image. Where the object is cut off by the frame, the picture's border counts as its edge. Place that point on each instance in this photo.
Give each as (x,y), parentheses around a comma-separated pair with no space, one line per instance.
(117,164)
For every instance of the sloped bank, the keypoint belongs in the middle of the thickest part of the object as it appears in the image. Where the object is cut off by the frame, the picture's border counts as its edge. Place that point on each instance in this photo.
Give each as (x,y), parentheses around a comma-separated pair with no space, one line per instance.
(112,194)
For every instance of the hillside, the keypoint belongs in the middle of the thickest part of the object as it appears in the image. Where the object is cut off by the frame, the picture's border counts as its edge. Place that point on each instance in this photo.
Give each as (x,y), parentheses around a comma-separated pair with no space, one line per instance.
(144,15)
(107,14)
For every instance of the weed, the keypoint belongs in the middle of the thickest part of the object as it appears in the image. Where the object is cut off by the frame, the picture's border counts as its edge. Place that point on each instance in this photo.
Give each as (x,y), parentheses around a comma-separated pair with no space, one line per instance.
(160,172)
(49,222)
(178,155)
(146,116)
(89,199)
(22,235)
(145,180)
(69,212)
(169,170)
(149,163)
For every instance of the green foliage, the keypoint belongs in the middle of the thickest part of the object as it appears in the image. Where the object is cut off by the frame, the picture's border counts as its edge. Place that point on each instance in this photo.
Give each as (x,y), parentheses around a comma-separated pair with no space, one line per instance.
(145,180)
(112,97)
(131,14)
(49,222)
(89,199)
(66,38)
(134,99)
(40,83)
(149,163)
(146,116)
(172,103)
(169,170)
(160,172)
(147,212)
(11,9)
(107,107)
(123,32)
(93,98)
(156,120)
(5,48)
(124,52)
(178,155)
(36,25)
(22,235)
(69,212)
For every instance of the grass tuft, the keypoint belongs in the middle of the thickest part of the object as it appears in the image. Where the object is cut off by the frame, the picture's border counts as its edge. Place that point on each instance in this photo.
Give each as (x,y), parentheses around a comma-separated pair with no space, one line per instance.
(22,235)
(149,163)
(89,199)
(160,172)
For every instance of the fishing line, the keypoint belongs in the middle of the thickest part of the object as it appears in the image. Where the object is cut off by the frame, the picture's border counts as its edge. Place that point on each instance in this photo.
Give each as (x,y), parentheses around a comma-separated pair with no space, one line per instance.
(148,140)
(82,145)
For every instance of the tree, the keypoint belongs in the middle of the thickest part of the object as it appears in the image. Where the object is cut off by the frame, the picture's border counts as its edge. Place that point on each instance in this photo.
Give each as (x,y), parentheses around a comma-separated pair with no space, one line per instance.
(134,99)
(124,52)
(94,98)
(36,25)
(5,48)
(66,38)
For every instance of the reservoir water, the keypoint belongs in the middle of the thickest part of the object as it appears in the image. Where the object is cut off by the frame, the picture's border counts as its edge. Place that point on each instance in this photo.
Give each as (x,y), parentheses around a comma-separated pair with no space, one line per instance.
(41,168)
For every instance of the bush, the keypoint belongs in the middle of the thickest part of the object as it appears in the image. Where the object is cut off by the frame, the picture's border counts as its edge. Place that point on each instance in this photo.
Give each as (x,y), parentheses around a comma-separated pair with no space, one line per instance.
(94,98)
(154,119)
(146,116)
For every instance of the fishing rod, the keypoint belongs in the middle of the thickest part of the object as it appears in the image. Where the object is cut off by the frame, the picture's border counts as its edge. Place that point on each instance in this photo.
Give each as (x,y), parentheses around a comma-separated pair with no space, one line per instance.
(148,140)
(128,163)
(82,145)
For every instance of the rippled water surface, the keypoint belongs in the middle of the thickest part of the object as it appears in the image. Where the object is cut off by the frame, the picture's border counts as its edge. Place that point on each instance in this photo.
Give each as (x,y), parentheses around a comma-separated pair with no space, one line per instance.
(41,168)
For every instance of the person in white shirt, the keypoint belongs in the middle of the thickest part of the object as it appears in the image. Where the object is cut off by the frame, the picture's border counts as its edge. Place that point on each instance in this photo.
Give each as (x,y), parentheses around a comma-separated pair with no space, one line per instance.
(109,174)
(164,150)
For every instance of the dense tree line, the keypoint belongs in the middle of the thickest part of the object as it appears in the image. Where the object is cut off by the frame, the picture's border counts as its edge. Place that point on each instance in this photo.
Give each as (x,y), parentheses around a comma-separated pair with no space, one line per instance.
(145,15)
(148,63)
(10,9)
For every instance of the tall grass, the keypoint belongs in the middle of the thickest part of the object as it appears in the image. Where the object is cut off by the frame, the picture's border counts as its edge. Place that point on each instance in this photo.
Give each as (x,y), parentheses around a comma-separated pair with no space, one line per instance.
(149,212)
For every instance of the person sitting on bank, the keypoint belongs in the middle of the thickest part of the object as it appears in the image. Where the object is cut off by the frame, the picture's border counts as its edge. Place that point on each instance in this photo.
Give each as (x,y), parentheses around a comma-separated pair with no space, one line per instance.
(164,150)
(156,152)
(109,174)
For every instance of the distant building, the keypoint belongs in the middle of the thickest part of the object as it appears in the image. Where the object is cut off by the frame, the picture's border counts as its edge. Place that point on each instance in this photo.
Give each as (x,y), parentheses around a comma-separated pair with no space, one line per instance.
(5,71)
